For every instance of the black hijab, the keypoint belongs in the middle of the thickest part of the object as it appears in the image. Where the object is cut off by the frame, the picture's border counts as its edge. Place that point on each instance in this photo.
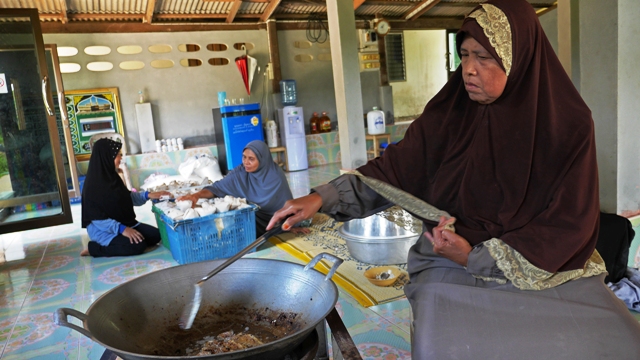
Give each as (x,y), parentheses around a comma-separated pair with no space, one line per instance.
(523,168)
(104,195)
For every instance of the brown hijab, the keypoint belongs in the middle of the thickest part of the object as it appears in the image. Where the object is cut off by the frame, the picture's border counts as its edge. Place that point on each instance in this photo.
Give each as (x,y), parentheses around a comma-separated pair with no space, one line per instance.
(523,168)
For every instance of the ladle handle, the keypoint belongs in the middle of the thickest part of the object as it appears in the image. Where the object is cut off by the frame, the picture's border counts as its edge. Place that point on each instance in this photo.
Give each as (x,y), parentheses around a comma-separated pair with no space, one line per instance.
(60,318)
(275,231)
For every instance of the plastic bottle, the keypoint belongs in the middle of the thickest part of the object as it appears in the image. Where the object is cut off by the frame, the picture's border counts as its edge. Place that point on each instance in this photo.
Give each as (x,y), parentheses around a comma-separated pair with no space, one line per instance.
(289,92)
(325,123)
(313,124)
(375,122)
(272,134)
(140,97)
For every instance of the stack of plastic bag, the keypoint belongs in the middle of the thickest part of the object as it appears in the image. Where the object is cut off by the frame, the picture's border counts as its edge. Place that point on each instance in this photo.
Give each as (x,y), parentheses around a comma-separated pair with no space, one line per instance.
(201,165)
(183,210)
(196,172)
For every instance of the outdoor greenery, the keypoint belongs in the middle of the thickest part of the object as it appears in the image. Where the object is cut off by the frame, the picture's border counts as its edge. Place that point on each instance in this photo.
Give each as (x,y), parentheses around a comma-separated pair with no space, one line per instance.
(4,169)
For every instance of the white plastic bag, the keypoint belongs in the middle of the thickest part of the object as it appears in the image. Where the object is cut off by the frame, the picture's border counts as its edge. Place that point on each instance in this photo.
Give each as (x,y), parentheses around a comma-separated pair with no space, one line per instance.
(188,166)
(208,168)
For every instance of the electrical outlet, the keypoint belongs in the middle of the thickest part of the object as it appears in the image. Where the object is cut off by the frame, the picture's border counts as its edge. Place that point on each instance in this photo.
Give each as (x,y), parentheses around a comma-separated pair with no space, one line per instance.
(270,71)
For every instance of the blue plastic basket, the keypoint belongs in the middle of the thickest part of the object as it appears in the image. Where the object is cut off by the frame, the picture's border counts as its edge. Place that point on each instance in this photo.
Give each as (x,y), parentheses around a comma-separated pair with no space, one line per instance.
(198,239)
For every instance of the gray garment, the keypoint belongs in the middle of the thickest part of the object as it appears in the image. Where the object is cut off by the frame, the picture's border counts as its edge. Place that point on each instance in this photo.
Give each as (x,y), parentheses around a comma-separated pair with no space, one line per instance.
(267,186)
(458,316)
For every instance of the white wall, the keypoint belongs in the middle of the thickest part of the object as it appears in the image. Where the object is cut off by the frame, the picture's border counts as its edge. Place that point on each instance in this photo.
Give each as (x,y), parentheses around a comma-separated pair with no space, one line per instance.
(599,78)
(609,84)
(425,69)
(549,22)
(181,97)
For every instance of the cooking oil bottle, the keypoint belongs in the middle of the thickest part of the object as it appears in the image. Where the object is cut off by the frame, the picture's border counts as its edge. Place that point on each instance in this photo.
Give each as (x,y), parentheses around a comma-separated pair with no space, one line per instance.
(313,124)
(325,123)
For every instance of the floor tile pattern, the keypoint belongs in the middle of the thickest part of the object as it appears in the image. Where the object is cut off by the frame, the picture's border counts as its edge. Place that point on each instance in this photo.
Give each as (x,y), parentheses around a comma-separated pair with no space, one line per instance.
(41,271)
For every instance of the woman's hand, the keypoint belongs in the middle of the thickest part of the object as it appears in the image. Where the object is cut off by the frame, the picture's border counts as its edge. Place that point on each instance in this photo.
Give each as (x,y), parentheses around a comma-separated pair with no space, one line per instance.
(206,194)
(448,244)
(193,197)
(299,209)
(133,235)
(159,194)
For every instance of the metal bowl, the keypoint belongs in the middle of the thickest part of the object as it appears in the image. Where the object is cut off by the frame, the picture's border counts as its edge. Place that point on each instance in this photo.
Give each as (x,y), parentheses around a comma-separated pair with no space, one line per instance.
(376,240)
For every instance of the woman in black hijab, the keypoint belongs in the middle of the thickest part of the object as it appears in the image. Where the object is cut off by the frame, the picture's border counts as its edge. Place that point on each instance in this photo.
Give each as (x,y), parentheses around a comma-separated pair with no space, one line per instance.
(107,207)
(507,147)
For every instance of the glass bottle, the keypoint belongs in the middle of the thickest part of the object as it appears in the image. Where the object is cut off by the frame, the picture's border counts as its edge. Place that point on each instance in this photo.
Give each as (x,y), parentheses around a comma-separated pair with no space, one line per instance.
(313,124)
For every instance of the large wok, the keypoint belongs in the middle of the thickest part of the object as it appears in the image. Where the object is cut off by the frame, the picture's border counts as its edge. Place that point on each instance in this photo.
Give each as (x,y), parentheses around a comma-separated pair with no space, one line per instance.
(136,318)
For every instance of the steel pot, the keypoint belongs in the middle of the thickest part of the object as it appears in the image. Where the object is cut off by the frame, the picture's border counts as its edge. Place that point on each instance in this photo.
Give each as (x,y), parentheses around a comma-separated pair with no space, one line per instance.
(136,318)
(376,240)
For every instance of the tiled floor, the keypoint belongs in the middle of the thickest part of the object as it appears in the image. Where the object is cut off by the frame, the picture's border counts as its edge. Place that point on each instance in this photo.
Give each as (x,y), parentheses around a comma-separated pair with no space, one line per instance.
(41,271)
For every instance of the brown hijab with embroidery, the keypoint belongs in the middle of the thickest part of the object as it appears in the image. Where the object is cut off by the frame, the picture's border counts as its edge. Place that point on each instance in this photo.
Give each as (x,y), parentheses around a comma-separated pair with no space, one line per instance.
(521,169)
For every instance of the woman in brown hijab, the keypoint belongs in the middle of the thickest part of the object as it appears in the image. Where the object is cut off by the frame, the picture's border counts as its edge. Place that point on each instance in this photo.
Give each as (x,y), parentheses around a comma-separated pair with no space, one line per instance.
(507,148)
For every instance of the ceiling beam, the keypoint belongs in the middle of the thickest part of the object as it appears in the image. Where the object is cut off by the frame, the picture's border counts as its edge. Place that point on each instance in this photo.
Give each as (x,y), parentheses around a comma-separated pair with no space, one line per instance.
(86,27)
(357,3)
(444,23)
(87,17)
(63,11)
(418,10)
(234,10)
(177,17)
(250,1)
(449,23)
(273,5)
(306,2)
(148,17)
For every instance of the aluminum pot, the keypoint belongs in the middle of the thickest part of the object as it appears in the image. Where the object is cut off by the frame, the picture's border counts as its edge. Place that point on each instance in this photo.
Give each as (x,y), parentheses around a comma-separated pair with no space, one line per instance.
(133,319)
(376,240)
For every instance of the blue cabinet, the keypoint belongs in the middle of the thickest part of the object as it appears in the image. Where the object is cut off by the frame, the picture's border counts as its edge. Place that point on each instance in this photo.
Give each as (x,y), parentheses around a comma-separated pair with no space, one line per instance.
(235,126)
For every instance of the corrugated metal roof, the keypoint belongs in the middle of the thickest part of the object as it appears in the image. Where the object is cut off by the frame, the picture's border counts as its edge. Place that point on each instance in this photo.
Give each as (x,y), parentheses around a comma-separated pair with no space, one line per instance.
(300,8)
(388,11)
(249,10)
(448,11)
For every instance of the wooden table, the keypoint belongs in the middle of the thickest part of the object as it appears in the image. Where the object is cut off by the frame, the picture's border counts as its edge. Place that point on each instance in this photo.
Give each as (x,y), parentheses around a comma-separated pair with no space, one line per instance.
(281,157)
(376,143)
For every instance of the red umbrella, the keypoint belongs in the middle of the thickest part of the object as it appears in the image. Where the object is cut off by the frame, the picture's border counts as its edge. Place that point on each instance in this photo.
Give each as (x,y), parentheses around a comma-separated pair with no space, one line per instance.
(241,62)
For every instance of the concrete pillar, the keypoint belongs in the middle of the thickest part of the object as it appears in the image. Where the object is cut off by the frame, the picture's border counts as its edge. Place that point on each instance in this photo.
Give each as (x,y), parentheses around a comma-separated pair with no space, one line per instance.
(609,84)
(628,108)
(385,99)
(569,38)
(346,78)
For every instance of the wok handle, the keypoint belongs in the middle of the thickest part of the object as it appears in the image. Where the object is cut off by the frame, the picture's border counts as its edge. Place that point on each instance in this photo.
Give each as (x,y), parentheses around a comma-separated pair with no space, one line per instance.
(60,318)
(336,262)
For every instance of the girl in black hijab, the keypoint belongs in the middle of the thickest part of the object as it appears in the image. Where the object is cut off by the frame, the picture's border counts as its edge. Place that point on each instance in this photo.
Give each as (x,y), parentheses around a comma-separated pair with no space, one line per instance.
(107,207)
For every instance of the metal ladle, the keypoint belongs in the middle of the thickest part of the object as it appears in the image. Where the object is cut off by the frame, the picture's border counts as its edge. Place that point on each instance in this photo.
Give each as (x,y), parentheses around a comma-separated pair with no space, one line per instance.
(190,311)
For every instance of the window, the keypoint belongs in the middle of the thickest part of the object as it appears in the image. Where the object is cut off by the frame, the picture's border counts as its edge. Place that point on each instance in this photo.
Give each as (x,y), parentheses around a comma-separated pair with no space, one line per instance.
(453,60)
(394,44)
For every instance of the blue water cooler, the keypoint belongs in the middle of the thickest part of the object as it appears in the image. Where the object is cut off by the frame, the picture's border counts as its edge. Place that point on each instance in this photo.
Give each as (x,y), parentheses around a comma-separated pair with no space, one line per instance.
(235,126)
